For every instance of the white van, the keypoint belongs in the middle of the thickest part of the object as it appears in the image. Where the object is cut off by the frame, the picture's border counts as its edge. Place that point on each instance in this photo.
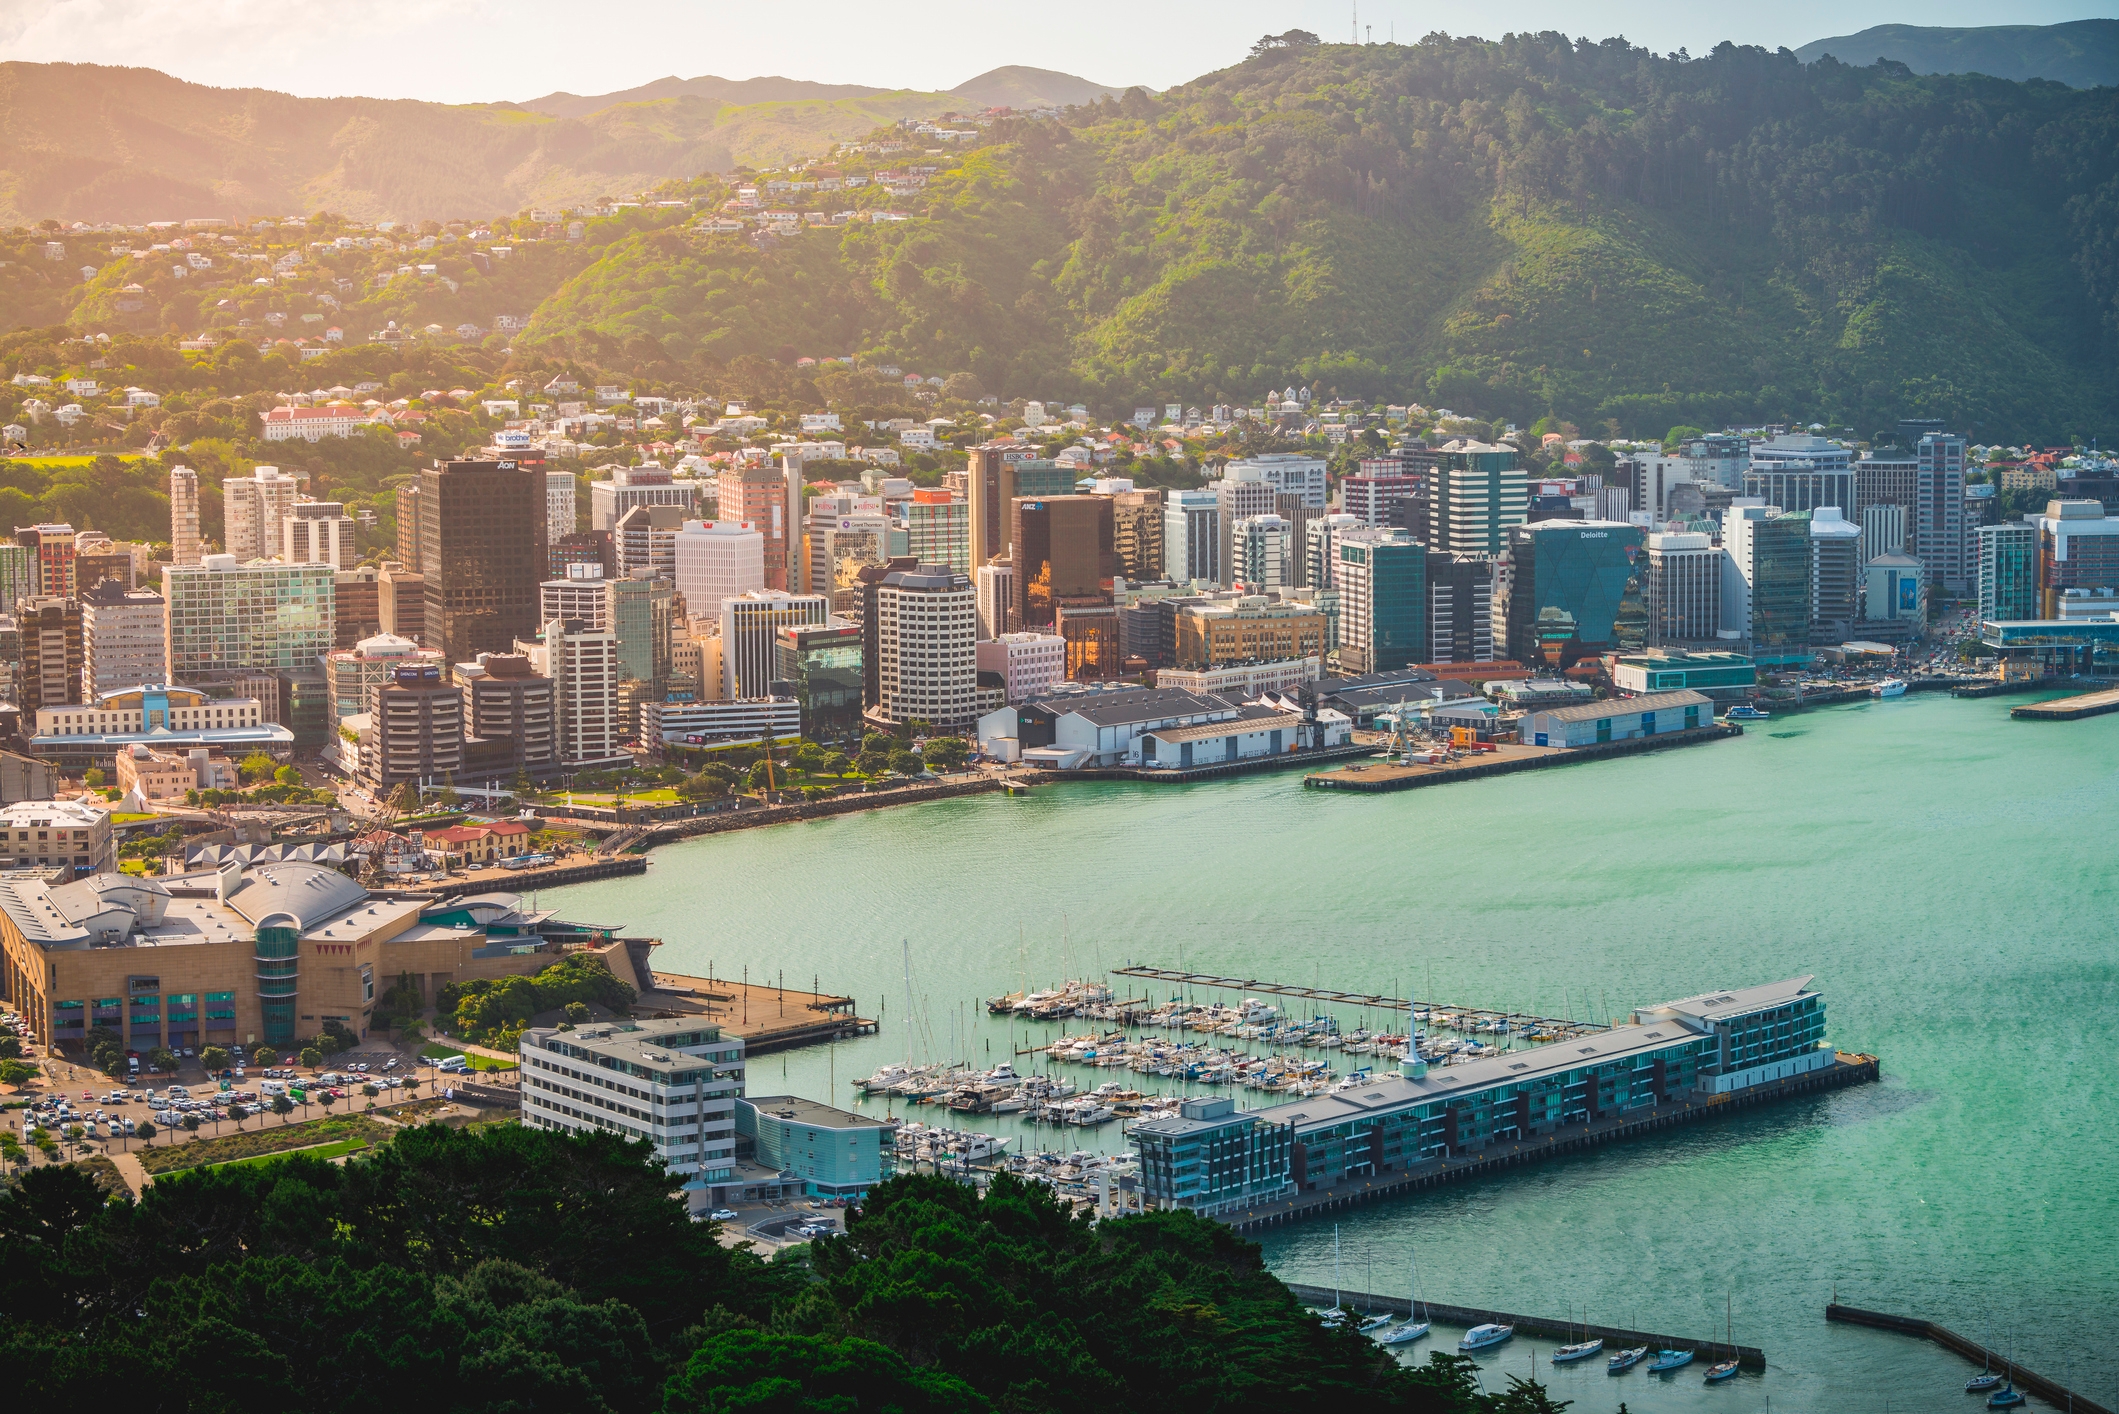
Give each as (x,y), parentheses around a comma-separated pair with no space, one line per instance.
(272,1087)
(452,1065)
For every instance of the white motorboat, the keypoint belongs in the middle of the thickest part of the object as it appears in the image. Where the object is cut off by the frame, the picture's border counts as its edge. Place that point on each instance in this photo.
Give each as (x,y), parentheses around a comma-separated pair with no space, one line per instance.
(1481,1337)
(1890,687)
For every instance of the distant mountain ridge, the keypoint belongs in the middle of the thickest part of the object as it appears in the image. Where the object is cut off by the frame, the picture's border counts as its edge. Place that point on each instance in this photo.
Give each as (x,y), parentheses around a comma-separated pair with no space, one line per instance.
(1011,86)
(2080,53)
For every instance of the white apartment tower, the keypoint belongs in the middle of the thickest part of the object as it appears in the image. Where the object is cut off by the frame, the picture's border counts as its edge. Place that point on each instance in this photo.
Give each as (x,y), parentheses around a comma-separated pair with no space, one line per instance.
(926,648)
(996,592)
(318,533)
(716,561)
(183,516)
(253,509)
(559,489)
(1192,537)
(1265,548)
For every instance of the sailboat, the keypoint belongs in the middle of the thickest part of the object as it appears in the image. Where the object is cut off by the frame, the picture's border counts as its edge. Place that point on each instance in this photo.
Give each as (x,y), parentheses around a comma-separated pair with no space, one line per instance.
(1413,1327)
(1337,1315)
(1582,1349)
(2008,1396)
(1988,1378)
(1726,1369)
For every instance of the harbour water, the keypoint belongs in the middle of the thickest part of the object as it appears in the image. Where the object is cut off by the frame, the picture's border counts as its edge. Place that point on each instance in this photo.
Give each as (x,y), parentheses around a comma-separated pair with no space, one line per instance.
(1946,873)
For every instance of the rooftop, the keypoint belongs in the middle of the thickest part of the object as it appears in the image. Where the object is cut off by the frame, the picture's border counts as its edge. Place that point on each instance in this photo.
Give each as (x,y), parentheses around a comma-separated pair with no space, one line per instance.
(814,1114)
(1646,702)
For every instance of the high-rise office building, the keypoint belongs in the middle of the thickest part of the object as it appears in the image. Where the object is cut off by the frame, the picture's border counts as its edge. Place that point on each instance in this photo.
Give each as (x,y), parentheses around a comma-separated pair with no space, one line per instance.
(1739,529)
(1298,513)
(483,552)
(749,625)
(1460,607)
(1652,478)
(2008,571)
(995,586)
(512,703)
(1381,578)
(1883,530)
(52,650)
(1372,497)
(356,605)
(1574,591)
(820,666)
(1718,459)
(582,663)
(1247,629)
(1289,473)
(1264,549)
(1192,537)
(415,728)
(121,639)
(625,488)
(757,496)
(401,601)
(51,550)
(1476,493)
(1939,539)
(645,542)
(1781,559)
(1887,476)
(583,547)
(1320,548)
(643,613)
(937,529)
(579,595)
(1681,587)
(1063,554)
(1242,492)
(560,488)
(1835,576)
(2078,549)
(183,516)
(1137,532)
(351,675)
(408,553)
(225,616)
(714,561)
(253,508)
(18,575)
(996,474)
(925,643)
(318,533)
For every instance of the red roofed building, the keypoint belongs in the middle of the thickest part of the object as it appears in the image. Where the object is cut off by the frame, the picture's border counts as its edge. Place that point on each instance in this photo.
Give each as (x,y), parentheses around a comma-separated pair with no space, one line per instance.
(479,844)
(311,424)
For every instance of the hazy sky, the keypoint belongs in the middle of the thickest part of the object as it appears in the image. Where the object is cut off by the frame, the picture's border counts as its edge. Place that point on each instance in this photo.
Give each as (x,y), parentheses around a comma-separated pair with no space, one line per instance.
(483,50)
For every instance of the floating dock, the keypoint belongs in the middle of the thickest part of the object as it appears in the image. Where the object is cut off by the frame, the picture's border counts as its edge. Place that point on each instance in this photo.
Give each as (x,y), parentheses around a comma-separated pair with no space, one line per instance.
(1616,1338)
(2070,709)
(1379,776)
(1560,1027)
(2051,1391)
(1848,1069)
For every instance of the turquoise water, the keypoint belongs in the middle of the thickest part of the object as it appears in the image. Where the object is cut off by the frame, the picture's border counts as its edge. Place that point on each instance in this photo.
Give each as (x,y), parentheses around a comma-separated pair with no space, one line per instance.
(1948,875)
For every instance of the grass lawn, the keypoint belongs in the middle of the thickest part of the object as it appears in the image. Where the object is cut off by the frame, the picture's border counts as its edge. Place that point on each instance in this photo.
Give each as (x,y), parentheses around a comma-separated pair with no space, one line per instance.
(317,1151)
(130,819)
(435,1050)
(357,1130)
(661,795)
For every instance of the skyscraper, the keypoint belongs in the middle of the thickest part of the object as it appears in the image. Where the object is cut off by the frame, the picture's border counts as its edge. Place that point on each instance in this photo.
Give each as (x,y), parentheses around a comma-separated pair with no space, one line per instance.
(226,617)
(1476,492)
(625,488)
(646,540)
(50,675)
(1192,537)
(2008,571)
(1460,602)
(51,549)
(938,530)
(757,496)
(1939,540)
(1574,591)
(641,611)
(1883,529)
(1264,548)
(183,516)
(121,639)
(1780,589)
(1062,547)
(749,625)
(1681,587)
(995,586)
(252,510)
(483,552)
(1381,576)
(1835,576)
(318,533)
(1242,492)
(716,561)
(559,491)
(1137,532)
(926,648)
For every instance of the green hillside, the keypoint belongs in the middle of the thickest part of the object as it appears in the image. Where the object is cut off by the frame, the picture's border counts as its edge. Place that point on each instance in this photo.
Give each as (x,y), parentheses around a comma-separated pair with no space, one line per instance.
(2081,53)
(1517,229)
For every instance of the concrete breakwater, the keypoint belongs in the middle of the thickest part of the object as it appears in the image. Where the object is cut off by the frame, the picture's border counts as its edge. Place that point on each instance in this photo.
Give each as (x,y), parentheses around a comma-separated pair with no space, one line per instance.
(1615,1338)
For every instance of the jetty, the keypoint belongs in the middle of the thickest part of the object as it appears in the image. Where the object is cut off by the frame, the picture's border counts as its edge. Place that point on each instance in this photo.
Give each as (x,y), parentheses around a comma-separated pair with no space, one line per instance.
(1615,1338)
(1504,759)
(1847,1069)
(2051,1391)
(2069,709)
(1518,1023)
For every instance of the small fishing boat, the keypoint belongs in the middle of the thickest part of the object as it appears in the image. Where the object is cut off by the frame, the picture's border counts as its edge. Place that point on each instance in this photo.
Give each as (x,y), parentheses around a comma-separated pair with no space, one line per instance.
(1480,1337)
(1669,1360)
(1581,1350)
(1745,712)
(1721,1370)
(1625,1360)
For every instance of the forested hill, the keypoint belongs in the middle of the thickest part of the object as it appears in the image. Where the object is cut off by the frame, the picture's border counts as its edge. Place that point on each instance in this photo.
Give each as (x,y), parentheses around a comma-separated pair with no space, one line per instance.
(1514,227)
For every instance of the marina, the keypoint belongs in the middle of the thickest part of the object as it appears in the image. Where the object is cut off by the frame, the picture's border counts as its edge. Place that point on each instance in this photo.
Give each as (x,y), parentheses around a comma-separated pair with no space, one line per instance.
(1822,842)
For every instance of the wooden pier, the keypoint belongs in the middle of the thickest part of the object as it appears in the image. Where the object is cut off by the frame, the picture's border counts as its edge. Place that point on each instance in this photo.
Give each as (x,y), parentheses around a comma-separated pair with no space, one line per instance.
(1848,1069)
(2070,709)
(1381,776)
(1615,1338)
(2051,1391)
(1561,1027)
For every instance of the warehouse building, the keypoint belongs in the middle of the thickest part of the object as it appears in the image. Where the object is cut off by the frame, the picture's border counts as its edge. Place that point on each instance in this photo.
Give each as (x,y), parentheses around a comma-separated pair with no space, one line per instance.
(1620,719)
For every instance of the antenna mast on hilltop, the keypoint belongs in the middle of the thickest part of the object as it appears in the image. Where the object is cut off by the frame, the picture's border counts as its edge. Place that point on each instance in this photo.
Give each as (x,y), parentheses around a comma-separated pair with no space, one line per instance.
(1355,37)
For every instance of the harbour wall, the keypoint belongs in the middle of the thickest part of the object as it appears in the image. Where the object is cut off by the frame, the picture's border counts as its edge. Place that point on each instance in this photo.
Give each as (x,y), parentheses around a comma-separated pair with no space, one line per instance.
(2052,1391)
(1615,1338)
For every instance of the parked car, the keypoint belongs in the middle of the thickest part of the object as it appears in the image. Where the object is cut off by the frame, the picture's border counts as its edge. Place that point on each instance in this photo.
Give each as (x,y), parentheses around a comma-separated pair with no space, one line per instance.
(723,1215)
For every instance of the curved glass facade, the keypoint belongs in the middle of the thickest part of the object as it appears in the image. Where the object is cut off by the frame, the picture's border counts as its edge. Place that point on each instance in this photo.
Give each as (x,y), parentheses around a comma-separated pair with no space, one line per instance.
(277,962)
